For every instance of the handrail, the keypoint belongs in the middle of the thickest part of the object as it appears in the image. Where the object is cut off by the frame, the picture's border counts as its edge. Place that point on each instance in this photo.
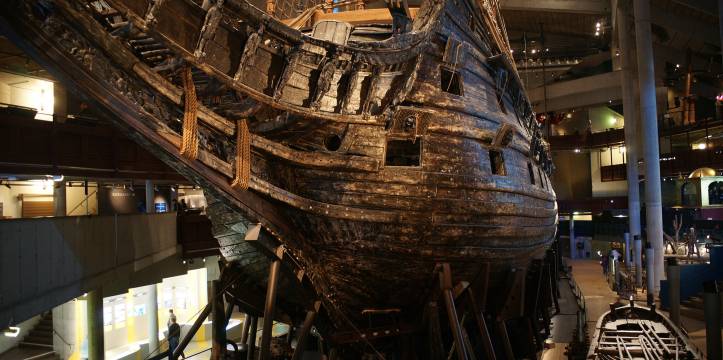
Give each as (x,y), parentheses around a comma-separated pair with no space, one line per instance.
(81,202)
(62,339)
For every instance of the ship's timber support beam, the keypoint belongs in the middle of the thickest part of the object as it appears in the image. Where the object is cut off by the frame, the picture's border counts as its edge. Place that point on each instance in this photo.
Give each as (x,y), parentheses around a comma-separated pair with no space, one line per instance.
(445,284)
(304,331)
(489,350)
(512,309)
(269,246)
(192,331)
(270,306)
(434,332)
(218,346)
(281,265)
(229,310)
(245,329)
(251,349)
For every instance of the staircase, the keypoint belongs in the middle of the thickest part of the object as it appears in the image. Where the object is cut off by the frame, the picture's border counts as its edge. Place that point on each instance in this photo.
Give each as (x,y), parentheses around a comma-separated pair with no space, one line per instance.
(41,336)
(37,344)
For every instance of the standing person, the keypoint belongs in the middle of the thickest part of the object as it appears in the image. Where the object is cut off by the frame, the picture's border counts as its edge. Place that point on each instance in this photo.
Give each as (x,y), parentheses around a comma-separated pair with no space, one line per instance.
(174,336)
(604,262)
(171,316)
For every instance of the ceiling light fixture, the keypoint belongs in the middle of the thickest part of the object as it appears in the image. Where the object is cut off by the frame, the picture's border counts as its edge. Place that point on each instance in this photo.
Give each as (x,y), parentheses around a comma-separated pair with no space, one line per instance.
(11,331)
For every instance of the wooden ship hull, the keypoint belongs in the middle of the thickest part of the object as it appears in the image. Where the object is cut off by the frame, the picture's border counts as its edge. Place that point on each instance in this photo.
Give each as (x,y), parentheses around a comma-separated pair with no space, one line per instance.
(638,332)
(360,160)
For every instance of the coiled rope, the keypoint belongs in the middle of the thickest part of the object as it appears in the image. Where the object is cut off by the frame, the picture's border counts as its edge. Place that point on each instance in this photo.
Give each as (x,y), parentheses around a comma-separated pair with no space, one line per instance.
(242,174)
(189,141)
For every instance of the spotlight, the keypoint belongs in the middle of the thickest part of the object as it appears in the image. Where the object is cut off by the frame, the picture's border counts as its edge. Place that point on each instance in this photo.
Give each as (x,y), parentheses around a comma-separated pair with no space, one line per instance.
(577,150)
(11,331)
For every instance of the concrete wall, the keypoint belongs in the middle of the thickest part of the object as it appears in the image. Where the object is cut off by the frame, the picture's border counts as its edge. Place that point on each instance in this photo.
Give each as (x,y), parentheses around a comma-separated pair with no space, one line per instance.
(70,325)
(571,179)
(45,262)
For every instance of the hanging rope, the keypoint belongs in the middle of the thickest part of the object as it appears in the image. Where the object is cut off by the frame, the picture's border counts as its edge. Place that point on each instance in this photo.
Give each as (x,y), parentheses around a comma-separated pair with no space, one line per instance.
(242,173)
(189,141)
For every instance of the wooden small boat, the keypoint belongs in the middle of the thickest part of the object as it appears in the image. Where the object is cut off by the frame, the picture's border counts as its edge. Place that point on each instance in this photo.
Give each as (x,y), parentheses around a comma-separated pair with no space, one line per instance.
(638,332)
(363,148)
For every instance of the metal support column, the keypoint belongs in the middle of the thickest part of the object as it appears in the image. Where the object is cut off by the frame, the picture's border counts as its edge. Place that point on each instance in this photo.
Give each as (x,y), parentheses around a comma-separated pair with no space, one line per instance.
(94,304)
(445,283)
(59,198)
(651,151)
(251,349)
(269,308)
(674,290)
(152,306)
(304,332)
(150,196)
(631,119)
(712,308)
(218,322)
(638,261)
(649,260)
(627,250)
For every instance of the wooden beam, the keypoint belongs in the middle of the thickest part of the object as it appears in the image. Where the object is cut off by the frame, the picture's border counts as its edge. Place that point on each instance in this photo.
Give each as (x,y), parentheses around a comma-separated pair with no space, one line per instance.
(358,17)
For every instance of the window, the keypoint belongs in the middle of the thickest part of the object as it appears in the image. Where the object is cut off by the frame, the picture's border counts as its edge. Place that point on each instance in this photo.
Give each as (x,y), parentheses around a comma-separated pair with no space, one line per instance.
(403,152)
(451,81)
(715,193)
(532,173)
(497,162)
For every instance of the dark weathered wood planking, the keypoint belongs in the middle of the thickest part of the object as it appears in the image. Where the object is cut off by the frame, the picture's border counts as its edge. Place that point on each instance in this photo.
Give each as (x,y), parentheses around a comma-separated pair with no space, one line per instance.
(348,216)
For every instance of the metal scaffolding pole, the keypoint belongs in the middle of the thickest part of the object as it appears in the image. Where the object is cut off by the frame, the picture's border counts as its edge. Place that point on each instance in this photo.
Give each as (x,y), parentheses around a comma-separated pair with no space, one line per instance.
(651,151)
(631,119)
